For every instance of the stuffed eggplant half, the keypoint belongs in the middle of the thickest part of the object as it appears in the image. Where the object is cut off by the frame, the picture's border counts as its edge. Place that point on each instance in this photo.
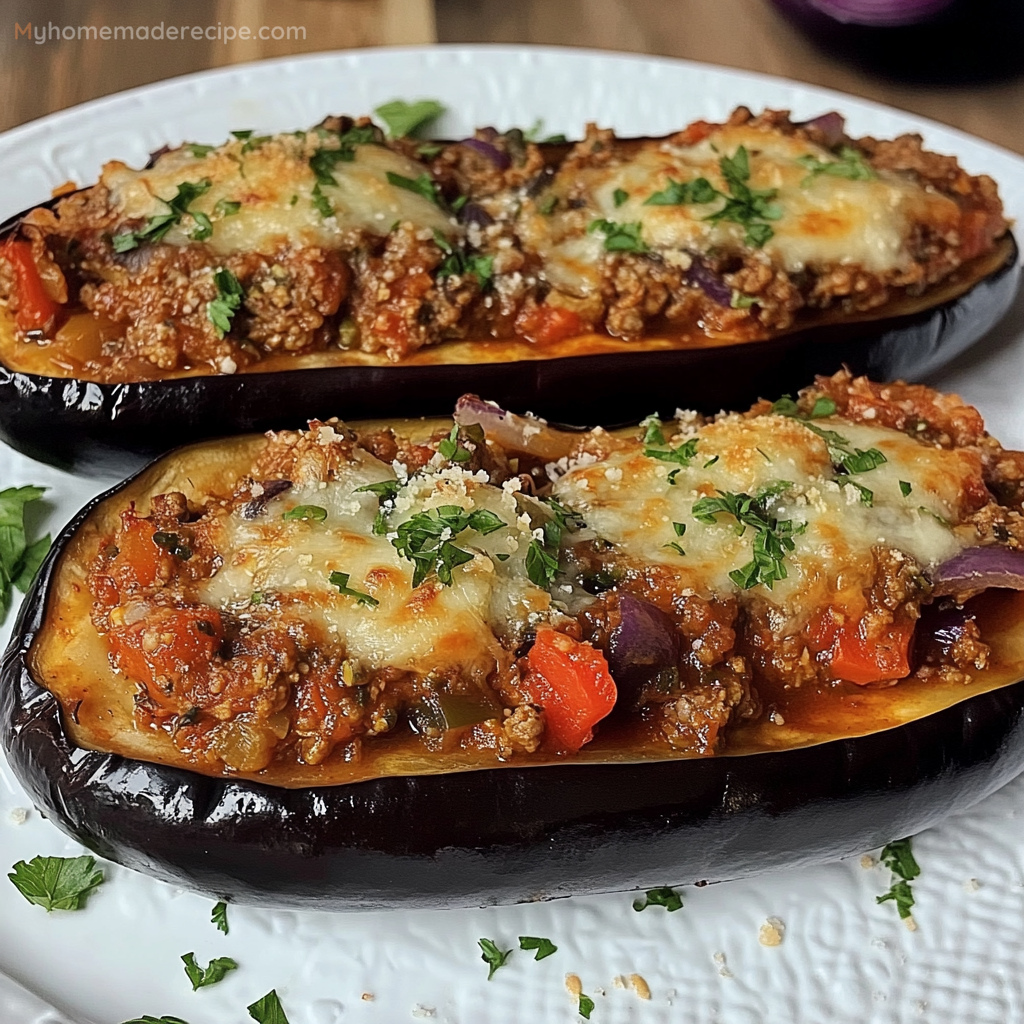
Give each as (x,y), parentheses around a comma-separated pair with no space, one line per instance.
(489,661)
(390,276)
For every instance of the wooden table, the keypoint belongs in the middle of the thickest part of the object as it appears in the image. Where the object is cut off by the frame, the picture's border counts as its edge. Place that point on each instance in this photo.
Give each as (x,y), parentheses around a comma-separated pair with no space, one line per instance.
(38,78)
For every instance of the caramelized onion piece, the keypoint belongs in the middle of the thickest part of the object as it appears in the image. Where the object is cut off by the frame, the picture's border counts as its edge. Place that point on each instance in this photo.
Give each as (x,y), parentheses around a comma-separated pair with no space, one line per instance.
(978,569)
(515,433)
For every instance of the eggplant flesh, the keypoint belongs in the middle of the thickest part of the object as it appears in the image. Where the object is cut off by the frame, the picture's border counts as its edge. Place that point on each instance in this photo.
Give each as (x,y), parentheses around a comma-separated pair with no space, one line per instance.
(507,834)
(102,429)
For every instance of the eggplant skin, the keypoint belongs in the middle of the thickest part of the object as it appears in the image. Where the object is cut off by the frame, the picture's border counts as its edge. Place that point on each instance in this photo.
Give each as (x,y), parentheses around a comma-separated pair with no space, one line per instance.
(502,835)
(111,429)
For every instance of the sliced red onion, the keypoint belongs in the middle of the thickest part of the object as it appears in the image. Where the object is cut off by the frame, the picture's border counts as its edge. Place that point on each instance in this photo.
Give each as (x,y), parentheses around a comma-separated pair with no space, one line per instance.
(474,213)
(517,433)
(500,160)
(978,569)
(643,645)
(709,283)
(831,125)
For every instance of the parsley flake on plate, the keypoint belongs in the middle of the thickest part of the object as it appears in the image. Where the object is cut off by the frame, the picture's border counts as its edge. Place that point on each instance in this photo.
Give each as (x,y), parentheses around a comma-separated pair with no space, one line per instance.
(268,1010)
(57,883)
(219,914)
(215,971)
(19,560)
(404,118)
(544,947)
(899,858)
(586,1006)
(492,956)
(665,896)
(147,1019)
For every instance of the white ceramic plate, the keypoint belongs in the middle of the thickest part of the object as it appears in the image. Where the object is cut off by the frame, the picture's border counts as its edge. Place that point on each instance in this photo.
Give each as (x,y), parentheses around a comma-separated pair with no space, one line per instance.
(843,959)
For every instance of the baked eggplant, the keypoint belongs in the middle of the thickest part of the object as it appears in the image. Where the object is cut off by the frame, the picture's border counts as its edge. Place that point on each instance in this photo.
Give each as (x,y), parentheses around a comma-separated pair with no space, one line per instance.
(252,285)
(853,745)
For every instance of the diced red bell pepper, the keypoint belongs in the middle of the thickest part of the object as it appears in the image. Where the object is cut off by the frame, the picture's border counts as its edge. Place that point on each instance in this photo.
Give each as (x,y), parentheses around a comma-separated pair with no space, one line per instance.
(36,310)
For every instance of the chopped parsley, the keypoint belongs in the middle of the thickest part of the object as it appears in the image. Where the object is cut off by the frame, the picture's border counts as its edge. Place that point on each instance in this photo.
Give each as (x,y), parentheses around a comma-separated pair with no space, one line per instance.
(198,150)
(772,537)
(243,134)
(221,310)
(652,430)
(547,205)
(905,488)
(57,883)
(268,1010)
(201,977)
(219,914)
(586,1006)
(226,207)
(712,461)
(542,557)
(867,496)
(19,560)
(898,857)
(682,455)
(492,956)
(450,449)
(851,164)
(741,301)
(255,140)
(321,203)
(544,947)
(619,196)
(340,580)
(619,237)
(751,208)
(425,539)
(541,565)
(679,193)
(324,160)
(680,529)
(848,459)
(158,226)
(305,513)
(385,490)
(458,262)
(423,185)
(665,896)
(404,118)
(428,150)
(172,544)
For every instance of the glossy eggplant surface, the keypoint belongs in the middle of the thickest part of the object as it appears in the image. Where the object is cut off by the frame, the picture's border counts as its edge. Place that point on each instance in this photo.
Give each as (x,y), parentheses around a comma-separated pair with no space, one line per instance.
(507,834)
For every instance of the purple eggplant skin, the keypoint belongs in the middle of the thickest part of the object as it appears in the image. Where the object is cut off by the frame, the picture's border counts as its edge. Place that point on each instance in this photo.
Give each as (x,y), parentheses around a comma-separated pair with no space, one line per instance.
(112,429)
(504,835)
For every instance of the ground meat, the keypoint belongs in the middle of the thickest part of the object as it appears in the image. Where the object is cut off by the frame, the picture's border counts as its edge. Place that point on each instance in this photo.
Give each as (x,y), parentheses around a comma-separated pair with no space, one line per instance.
(524,728)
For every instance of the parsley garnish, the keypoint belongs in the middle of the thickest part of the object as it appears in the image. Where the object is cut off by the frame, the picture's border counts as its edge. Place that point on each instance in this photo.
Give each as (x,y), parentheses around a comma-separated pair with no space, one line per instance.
(867,496)
(851,164)
(492,956)
(898,857)
(226,207)
(749,207)
(619,196)
(458,262)
(219,914)
(323,161)
(426,539)
(405,118)
(665,897)
(19,560)
(158,225)
(652,429)
(268,1010)
(843,456)
(198,150)
(340,580)
(201,977)
(385,490)
(305,513)
(905,488)
(619,237)
(253,141)
(542,558)
(741,301)
(679,193)
(450,449)
(712,461)
(221,310)
(772,537)
(428,150)
(586,1006)
(424,185)
(172,544)
(57,883)
(544,947)
(680,529)
(682,455)
(321,203)
(547,205)
(245,133)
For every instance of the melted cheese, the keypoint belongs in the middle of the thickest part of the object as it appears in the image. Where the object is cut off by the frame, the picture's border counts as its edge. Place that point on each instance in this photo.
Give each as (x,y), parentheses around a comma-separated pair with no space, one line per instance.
(274,184)
(628,500)
(824,220)
(427,629)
